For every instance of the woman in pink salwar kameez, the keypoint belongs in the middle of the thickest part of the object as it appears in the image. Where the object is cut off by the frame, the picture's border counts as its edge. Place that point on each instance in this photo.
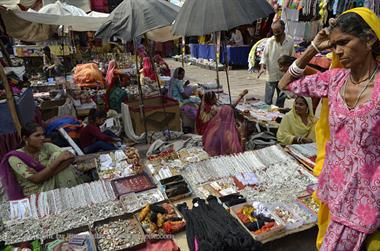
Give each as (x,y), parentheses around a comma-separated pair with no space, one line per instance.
(350,180)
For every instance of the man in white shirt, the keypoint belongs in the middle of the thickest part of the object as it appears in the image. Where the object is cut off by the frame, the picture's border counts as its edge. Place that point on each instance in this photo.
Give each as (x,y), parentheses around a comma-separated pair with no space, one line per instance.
(278,45)
(236,38)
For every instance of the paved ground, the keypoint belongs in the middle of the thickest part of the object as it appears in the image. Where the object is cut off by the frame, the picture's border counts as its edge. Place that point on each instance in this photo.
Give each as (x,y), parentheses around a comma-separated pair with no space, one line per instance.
(240,79)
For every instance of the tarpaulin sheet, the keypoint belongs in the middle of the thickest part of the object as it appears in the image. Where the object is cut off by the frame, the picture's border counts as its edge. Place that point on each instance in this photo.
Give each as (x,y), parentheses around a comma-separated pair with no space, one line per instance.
(64,14)
(24,30)
(25,107)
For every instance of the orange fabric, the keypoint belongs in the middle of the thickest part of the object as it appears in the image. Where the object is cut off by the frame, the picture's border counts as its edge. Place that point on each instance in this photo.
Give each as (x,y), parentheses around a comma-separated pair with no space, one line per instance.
(87,73)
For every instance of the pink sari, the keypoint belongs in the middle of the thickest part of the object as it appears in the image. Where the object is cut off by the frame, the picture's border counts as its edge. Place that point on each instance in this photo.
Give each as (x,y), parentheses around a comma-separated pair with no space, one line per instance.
(221,136)
(148,69)
(110,81)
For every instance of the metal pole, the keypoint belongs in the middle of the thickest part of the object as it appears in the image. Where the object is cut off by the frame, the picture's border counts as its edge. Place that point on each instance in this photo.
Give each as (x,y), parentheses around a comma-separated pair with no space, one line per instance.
(226,69)
(183,51)
(142,108)
(217,53)
(158,83)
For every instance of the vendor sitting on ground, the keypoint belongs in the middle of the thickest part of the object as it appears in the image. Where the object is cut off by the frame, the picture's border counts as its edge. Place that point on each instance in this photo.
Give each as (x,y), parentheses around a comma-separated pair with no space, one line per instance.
(52,65)
(180,90)
(208,109)
(37,166)
(115,95)
(91,139)
(223,134)
(298,125)
(286,61)
(162,66)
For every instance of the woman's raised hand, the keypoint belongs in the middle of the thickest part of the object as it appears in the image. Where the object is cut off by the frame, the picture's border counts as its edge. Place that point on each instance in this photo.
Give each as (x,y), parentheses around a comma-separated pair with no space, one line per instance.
(322,40)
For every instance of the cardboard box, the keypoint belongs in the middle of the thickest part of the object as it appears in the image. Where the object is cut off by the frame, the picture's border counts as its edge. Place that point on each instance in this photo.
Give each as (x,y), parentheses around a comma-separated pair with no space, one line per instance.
(155,114)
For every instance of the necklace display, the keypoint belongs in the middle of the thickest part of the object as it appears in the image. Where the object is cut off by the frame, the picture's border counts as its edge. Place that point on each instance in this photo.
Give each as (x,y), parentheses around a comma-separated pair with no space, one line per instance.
(280,177)
(35,229)
(370,80)
(60,200)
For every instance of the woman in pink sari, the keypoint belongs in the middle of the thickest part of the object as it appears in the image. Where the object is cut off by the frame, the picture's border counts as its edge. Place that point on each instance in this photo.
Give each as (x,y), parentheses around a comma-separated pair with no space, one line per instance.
(221,136)
(349,183)
(147,69)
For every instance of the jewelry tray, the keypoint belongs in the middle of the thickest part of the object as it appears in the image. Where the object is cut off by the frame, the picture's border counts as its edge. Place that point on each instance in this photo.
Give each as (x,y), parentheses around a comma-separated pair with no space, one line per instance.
(112,219)
(125,185)
(136,215)
(68,233)
(172,182)
(280,228)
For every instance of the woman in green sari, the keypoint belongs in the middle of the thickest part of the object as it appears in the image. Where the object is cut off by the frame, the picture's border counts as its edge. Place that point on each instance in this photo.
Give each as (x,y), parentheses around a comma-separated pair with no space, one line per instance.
(38,166)
(115,95)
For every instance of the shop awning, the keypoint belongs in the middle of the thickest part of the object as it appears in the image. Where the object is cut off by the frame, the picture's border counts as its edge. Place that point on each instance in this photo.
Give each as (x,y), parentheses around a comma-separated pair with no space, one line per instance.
(64,14)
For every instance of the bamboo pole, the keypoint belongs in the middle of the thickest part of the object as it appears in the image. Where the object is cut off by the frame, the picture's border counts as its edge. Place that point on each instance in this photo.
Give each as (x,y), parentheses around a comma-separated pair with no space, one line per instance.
(10,100)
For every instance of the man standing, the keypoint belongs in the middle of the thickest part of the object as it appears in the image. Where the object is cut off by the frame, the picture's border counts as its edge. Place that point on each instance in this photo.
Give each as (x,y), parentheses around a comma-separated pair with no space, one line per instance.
(278,45)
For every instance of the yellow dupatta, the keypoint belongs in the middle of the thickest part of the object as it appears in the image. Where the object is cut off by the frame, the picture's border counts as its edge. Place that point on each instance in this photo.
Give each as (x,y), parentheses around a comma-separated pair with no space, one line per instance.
(322,131)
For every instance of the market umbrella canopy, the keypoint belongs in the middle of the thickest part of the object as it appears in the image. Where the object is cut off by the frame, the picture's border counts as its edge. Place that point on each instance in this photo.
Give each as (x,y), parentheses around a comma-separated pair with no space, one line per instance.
(201,17)
(133,18)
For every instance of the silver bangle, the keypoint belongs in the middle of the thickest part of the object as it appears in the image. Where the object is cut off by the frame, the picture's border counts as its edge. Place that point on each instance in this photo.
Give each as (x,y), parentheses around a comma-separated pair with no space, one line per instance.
(295,71)
(315,47)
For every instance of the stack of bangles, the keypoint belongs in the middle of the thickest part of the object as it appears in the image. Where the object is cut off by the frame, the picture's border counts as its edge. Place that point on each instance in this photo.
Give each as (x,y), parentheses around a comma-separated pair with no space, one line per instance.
(295,71)
(299,140)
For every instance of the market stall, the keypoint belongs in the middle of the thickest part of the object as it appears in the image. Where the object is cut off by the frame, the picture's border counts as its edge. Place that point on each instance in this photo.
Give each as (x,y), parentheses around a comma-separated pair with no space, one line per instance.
(264,117)
(146,200)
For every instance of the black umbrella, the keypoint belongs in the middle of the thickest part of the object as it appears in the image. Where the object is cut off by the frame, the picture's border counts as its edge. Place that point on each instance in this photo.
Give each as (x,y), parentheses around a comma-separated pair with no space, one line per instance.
(202,17)
(134,18)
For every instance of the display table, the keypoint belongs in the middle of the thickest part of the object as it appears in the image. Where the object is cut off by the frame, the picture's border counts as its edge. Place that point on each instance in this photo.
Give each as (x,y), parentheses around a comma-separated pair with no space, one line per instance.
(256,112)
(269,179)
(237,55)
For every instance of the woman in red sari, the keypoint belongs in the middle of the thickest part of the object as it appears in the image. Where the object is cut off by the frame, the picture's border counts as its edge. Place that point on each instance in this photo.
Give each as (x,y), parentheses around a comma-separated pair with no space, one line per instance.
(207,110)
(222,135)
(162,66)
(147,70)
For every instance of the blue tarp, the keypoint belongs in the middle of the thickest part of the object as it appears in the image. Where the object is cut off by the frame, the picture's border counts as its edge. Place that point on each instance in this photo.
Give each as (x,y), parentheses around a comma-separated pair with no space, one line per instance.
(25,107)
(237,55)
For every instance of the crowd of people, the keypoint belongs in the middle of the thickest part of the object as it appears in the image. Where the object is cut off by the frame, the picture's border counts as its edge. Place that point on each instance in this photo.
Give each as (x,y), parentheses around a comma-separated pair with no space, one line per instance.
(347,132)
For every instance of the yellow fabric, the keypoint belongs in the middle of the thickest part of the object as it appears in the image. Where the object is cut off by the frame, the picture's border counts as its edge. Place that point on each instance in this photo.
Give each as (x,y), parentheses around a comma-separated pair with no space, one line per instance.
(369,17)
(252,53)
(292,126)
(323,135)
(372,243)
(202,40)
